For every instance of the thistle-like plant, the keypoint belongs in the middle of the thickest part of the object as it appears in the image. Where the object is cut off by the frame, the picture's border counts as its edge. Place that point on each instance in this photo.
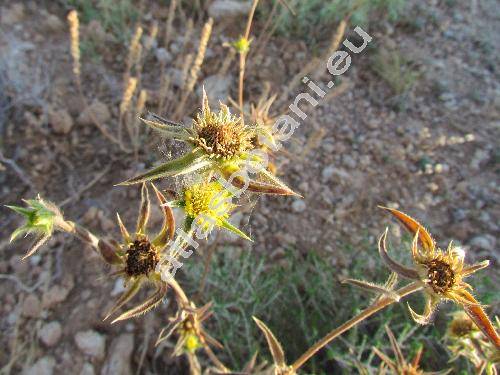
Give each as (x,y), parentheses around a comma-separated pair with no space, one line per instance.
(219,143)
(439,273)
(139,255)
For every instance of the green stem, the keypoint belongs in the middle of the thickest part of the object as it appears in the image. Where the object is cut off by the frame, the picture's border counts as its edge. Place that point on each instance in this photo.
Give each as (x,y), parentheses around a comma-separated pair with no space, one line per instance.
(369,311)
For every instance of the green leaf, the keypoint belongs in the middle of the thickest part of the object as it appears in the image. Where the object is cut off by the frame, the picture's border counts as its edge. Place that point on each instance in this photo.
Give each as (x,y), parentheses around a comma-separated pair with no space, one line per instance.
(169,131)
(190,162)
(227,225)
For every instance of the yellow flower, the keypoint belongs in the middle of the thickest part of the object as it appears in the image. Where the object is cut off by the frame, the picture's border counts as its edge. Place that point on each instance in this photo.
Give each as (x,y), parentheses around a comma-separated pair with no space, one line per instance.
(440,273)
(208,205)
(187,324)
(242,45)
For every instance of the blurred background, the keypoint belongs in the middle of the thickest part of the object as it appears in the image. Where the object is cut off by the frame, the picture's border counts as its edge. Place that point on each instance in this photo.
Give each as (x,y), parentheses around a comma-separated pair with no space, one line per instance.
(414,124)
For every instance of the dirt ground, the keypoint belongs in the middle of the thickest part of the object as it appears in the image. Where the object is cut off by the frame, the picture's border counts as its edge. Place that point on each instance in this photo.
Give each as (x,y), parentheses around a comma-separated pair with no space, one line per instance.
(437,158)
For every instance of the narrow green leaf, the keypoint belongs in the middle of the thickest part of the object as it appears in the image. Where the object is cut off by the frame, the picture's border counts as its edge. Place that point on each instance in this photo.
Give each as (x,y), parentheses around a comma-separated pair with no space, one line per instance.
(190,162)
(169,131)
(227,225)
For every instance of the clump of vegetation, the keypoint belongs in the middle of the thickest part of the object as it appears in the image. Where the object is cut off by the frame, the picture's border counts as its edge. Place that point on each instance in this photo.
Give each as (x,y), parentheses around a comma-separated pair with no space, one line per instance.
(315,17)
(398,72)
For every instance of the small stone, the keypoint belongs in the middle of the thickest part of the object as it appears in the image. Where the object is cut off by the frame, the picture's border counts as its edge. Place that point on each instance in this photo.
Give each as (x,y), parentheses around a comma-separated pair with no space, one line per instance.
(87,369)
(32,307)
(349,161)
(61,121)
(163,56)
(480,157)
(50,333)
(53,23)
(299,205)
(54,295)
(217,88)
(484,242)
(97,110)
(119,287)
(44,366)
(91,343)
(327,173)
(12,15)
(220,9)
(19,266)
(118,361)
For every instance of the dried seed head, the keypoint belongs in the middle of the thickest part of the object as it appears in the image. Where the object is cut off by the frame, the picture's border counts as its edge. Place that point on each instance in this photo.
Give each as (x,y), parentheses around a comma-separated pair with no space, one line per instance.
(127,94)
(441,277)
(142,258)
(220,135)
(75,41)
(134,49)
(202,48)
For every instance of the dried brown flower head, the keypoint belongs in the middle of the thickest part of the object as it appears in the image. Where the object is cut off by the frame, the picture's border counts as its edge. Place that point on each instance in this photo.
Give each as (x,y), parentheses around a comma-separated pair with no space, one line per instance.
(139,255)
(440,273)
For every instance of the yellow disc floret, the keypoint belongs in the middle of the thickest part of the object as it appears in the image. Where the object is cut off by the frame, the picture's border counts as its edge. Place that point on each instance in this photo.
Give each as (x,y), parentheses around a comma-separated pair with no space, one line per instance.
(208,203)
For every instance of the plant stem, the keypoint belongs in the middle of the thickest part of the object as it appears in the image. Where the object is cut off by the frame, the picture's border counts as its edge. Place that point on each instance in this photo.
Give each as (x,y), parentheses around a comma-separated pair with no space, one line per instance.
(243,57)
(80,232)
(369,311)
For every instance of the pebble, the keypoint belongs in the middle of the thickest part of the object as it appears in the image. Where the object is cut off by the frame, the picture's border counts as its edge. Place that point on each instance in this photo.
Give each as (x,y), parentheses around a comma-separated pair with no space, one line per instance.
(44,366)
(12,15)
(87,369)
(31,307)
(19,266)
(298,205)
(54,295)
(98,110)
(119,287)
(217,88)
(53,23)
(50,333)
(163,56)
(223,9)
(91,343)
(118,362)
(484,242)
(61,121)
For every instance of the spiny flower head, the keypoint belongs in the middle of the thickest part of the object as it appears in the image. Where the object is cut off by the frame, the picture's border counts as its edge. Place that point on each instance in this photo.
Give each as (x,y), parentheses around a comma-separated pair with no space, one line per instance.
(188,325)
(467,341)
(220,143)
(139,254)
(42,217)
(208,205)
(440,273)
(208,199)
(220,135)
